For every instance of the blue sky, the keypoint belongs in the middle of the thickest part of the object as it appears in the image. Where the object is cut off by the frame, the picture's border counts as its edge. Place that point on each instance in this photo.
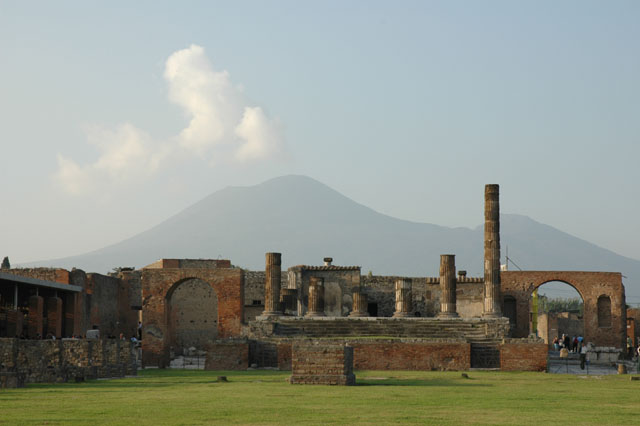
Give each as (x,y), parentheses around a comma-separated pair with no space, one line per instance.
(115,116)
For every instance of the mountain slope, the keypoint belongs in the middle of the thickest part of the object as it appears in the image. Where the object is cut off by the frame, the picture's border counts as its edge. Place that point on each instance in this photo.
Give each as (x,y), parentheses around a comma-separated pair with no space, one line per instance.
(306,220)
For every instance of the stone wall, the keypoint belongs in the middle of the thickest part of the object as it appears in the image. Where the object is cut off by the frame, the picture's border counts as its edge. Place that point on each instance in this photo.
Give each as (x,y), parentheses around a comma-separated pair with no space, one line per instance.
(49,361)
(321,363)
(227,356)
(523,355)
(254,292)
(338,284)
(426,295)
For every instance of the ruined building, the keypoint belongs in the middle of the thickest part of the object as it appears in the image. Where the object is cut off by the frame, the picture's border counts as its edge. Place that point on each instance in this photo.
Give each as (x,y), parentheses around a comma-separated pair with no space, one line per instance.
(240,318)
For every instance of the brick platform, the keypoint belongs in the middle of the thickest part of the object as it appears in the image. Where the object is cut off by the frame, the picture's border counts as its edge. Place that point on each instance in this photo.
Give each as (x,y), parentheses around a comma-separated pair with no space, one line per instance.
(321,363)
(521,355)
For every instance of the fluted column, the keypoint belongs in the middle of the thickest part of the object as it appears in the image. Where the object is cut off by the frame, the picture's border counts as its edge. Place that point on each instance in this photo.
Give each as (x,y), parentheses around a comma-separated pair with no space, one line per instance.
(404,302)
(272,285)
(448,286)
(359,303)
(316,297)
(492,251)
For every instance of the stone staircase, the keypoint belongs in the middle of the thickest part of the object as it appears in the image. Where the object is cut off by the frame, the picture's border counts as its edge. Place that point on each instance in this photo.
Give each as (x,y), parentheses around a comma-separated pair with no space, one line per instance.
(422,328)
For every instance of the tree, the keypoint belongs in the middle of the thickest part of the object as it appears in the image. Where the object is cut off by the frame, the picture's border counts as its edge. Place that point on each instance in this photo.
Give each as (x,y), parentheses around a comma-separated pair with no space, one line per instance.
(5,263)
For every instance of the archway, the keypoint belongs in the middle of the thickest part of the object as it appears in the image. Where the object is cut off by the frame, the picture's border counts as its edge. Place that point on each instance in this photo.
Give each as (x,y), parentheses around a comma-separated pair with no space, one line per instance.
(557,310)
(192,315)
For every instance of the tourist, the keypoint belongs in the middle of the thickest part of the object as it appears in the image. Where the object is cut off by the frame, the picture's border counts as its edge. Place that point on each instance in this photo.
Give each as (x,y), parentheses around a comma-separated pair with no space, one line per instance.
(556,344)
(583,356)
(567,341)
(629,347)
(575,344)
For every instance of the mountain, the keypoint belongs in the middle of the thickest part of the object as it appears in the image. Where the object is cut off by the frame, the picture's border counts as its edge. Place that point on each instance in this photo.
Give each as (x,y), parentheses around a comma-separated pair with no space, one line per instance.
(306,220)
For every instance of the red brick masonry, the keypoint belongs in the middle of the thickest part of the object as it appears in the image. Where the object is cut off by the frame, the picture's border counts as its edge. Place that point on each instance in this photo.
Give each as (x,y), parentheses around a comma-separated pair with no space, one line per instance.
(227,356)
(523,356)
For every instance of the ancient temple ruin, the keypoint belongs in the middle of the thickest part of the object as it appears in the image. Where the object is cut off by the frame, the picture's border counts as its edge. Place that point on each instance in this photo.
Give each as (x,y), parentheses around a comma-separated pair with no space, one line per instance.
(240,318)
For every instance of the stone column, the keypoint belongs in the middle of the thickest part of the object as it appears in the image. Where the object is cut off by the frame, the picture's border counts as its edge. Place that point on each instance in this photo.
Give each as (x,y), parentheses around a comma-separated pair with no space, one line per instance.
(492,252)
(359,303)
(272,285)
(68,311)
(404,302)
(448,286)
(35,323)
(316,297)
(54,316)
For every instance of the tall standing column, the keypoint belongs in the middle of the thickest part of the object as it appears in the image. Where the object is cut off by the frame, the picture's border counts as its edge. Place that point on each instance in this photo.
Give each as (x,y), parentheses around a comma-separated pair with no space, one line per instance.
(316,297)
(35,319)
(359,303)
(272,285)
(404,304)
(448,286)
(492,251)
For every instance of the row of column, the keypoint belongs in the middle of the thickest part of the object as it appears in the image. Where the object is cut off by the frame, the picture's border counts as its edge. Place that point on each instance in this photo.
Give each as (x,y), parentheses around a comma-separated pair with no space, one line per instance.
(35,318)
(276,300)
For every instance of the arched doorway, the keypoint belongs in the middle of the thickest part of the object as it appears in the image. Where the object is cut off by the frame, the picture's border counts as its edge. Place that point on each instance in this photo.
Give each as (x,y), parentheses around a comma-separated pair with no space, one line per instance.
(556,309)
(192,315)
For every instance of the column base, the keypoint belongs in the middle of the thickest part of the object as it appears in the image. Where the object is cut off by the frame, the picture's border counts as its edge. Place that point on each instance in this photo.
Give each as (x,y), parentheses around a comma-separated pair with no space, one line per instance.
(448,315)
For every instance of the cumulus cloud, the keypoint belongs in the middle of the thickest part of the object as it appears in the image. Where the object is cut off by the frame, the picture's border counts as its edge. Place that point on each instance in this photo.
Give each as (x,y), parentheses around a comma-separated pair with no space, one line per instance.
(220,120)
(126,154)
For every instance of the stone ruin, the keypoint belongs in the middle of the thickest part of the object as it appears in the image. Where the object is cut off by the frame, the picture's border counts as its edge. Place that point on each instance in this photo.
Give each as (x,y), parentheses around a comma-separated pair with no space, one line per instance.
(239,318)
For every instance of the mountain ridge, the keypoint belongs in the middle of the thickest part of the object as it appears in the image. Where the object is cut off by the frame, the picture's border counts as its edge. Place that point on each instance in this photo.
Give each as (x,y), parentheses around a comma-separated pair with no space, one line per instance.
(307,220)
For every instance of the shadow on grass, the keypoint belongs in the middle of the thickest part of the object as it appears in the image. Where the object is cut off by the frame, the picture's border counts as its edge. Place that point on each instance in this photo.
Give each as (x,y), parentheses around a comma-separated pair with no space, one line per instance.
(418,382)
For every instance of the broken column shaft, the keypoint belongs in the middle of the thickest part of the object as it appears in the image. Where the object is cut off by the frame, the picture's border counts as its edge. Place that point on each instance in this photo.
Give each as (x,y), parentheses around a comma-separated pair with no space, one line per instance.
(316,297)
(448,286)
(492,251)
(403,298)
(272,285)
(359,303)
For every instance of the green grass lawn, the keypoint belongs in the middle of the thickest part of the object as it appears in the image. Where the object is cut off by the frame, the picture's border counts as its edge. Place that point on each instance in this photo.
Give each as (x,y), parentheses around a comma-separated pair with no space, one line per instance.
(264,397)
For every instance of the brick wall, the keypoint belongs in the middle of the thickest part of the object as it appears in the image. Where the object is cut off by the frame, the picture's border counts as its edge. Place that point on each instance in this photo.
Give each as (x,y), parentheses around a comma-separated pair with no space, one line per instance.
(389,354)
(227,356)
(523,356)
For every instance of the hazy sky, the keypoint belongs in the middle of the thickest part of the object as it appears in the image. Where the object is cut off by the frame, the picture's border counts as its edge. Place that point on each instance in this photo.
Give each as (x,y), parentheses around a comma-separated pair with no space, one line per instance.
(116,115)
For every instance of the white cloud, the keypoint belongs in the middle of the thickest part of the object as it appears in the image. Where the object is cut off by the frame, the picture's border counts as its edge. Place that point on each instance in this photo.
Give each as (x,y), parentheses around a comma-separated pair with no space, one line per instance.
(127,154)
(221,120)
(262,136)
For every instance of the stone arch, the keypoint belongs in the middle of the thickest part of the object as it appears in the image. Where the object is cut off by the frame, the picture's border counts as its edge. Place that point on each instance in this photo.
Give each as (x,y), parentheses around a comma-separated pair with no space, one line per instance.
(590,286)
(159,285)
(191,312)
(604,311)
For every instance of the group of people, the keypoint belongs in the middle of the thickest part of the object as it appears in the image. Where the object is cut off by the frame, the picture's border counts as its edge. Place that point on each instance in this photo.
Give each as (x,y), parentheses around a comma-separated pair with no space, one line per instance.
(571,343)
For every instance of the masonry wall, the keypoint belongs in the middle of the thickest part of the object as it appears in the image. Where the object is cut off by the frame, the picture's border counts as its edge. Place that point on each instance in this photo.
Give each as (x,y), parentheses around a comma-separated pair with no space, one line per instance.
(523,355)
(49,361)
(422,356)
(426,295)
(322,364)
(227,356)
(338,284)
(157,288)
(254,282)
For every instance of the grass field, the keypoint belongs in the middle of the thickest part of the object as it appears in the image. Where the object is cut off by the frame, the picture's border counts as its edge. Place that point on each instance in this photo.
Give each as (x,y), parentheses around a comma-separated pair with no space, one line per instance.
(263,397)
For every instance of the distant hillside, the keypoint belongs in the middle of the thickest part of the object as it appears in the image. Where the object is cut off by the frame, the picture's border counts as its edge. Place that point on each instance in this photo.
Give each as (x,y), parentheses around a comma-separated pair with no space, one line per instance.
(306,220)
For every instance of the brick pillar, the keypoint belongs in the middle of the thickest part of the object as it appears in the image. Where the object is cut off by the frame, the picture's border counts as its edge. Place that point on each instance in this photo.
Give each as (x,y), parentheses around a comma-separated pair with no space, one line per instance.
(492,251)
(359,303)
(36,308)
(448,286)
(54,316)
(14,323)
(316,297)
(69,308)
(404,304)
(272,285)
